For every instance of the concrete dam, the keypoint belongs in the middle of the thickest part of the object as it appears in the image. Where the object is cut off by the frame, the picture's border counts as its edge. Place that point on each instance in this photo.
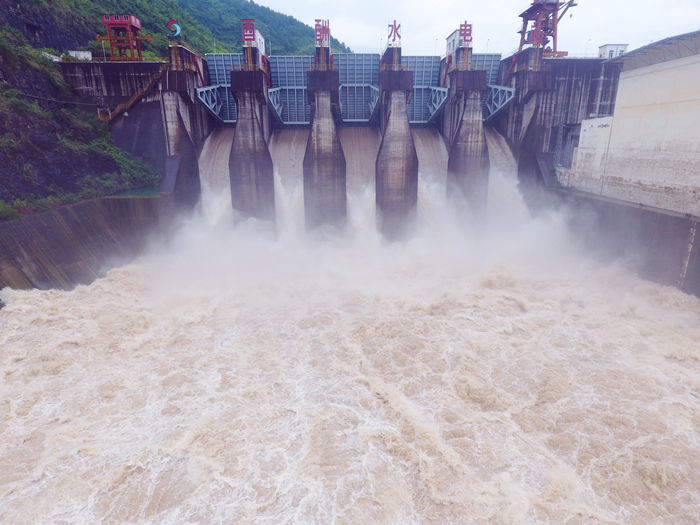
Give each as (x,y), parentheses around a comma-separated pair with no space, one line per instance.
(372,289)
(548,106)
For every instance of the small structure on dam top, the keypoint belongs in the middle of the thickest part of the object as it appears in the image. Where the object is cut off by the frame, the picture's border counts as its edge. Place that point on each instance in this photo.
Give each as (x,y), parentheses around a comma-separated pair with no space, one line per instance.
(325,196)
(397,161)
(250,163)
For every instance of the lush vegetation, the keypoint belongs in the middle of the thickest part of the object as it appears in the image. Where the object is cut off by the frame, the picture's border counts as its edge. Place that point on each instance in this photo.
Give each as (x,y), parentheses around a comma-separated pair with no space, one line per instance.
(286,34)
(52,152)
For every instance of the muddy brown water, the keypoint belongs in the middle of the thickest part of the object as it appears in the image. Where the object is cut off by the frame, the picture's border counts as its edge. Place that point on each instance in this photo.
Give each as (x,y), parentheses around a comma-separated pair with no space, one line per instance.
(497,376)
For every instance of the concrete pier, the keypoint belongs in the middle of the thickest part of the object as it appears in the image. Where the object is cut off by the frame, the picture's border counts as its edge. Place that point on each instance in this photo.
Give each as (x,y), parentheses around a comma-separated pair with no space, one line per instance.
(468,164)
(250,163)
(397,172)
(397,161)
(325,196)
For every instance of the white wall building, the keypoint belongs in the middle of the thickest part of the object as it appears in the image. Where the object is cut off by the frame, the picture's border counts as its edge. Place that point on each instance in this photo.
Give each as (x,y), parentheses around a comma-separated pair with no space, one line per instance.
(648,152)
(612,50)
(454,41)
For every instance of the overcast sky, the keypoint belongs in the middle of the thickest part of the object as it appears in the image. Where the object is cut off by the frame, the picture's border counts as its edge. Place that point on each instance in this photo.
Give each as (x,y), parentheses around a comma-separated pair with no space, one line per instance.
(362,23)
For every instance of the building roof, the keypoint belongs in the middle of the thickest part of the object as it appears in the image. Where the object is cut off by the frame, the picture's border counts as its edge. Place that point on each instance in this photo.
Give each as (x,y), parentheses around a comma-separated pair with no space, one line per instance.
(672,48)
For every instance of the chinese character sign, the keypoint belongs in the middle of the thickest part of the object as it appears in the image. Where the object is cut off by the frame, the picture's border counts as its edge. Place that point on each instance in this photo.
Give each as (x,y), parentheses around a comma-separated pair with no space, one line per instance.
(394,32)
(538,37)
(465,32)
(323,33)
(248,30)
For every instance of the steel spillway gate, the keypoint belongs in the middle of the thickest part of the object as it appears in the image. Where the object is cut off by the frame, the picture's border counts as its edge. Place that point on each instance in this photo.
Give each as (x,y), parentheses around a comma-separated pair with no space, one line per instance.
(359,85)
(218,98)
(426,88)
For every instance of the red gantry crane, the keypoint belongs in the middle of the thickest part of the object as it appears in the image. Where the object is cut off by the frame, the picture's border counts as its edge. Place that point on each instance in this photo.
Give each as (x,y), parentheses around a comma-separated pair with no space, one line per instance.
(544,15)
(540,28)
(123,37)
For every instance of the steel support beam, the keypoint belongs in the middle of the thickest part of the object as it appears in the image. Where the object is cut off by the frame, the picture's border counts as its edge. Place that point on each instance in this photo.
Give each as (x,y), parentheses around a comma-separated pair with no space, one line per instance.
(497,98)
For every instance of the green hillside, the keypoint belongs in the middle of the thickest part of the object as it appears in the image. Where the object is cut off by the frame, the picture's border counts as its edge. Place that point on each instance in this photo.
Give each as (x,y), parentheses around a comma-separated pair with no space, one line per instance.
(73,24)
(286,34)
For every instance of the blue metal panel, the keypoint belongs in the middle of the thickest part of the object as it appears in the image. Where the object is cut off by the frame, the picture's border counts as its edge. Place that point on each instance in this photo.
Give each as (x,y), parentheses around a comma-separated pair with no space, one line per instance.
(426,74)
(220,65)
(488,61)
(359,81)
(357,68)
(288,74)
(295,106)
(289,71)
(497,97)
(426,69)
(229,110)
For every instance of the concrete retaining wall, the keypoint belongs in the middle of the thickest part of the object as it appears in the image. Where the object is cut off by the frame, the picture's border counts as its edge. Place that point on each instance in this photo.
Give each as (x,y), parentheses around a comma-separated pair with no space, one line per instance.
(663,247)
(78,243)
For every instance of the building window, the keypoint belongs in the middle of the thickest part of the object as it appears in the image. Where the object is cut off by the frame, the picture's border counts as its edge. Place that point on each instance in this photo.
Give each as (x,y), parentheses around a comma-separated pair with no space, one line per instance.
(622,51)
(612,53)
(107,18)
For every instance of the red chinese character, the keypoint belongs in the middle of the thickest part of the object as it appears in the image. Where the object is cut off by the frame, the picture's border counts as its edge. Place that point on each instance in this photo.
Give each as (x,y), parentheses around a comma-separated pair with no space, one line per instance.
(465,32)
(248,29)
(537,36)
(323,31)
(394,31)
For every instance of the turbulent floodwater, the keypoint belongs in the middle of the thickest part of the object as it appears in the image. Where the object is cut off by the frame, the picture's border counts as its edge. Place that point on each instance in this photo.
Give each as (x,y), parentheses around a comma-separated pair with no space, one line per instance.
(234,376)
